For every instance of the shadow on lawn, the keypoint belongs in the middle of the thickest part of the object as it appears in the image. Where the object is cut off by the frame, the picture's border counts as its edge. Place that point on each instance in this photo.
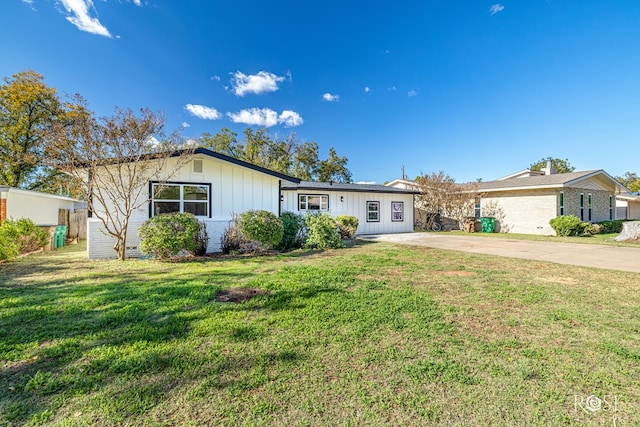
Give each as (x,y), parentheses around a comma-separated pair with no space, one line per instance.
(74,336)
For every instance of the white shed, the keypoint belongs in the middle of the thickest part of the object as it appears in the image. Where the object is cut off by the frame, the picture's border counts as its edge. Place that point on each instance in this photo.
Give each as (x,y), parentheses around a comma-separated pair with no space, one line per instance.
(41,208)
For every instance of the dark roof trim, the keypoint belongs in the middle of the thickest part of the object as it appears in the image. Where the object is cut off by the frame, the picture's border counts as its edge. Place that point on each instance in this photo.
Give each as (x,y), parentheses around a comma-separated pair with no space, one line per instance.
(352,188)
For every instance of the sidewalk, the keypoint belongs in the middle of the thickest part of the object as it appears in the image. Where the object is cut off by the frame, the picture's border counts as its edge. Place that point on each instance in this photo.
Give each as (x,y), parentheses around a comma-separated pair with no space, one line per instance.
(596,256)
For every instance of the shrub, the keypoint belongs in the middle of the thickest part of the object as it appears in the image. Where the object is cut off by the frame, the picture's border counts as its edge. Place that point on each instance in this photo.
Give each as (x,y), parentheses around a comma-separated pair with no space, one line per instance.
(20,237)
(322,232)
(202,240)
(294,231)
(167,235)
(347,225)
(232,239)
(609,227)
(261,226)
(567,225)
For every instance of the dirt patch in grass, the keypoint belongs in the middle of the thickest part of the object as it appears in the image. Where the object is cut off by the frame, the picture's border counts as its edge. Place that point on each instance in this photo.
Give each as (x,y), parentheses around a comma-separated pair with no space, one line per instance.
(238,295)
(458,273)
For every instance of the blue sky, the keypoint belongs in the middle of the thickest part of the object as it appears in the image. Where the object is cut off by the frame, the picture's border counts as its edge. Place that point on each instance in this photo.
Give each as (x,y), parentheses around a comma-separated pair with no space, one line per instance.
(475,88)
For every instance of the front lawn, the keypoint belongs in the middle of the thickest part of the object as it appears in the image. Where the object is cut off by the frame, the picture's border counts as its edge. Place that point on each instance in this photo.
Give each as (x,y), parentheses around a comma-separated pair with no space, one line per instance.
(371,335)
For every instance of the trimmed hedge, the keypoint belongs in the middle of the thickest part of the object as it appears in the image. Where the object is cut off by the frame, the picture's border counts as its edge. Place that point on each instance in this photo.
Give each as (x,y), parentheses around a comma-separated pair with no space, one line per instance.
(167,235)
(20,237)
(261,226)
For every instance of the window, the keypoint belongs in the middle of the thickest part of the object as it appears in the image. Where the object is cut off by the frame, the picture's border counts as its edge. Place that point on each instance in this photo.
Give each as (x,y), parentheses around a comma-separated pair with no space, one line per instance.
(581,206)
(476,210)
(561,203)
(175,197)
(589,205)
(397,211)
(373,211)
(313,202)
(610,208)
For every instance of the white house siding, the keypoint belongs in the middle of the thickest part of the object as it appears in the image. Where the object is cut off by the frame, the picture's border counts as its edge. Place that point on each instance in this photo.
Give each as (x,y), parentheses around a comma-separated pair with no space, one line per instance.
(41,208)
(355,203)
(234,189)
(527,212)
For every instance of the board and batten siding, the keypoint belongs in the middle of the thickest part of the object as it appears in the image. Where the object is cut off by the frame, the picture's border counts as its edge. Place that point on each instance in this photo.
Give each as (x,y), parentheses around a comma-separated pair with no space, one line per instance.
(234,189)
(355,204)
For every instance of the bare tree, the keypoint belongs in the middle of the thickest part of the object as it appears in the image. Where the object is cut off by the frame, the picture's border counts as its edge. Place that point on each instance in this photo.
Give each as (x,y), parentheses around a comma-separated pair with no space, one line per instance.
(441,195)
(115,158)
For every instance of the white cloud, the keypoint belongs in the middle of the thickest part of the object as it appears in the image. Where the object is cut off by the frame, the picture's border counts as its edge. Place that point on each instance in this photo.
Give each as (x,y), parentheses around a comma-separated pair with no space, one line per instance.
(82,19)
(392,88)
(330,98)
(216,78)
(203,112)
(290,119)
(186,125)
(257,83)
(412,93)
(495,8)
(266,117)
(255,116)
(367,89)
(137,2)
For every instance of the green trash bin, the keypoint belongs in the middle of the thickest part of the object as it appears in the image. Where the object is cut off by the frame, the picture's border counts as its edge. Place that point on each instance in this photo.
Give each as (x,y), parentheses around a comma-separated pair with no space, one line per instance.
(488,224)
(59,236)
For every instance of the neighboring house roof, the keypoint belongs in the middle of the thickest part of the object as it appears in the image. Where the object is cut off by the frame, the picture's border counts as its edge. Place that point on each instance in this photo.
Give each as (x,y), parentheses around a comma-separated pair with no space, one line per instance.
(7,189)
(522,174)
(559,180)
(338,186)
(632,196)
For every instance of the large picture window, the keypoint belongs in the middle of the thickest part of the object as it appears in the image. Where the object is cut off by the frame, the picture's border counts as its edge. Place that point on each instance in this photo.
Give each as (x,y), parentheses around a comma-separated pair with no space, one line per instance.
(397,211)
(313,202)
(373,211)
(180,197)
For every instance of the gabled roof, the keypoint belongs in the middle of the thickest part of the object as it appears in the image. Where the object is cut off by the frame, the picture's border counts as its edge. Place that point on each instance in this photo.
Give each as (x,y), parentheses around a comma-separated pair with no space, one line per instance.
(242,163)
(338,186)
(208,153)
(558,180)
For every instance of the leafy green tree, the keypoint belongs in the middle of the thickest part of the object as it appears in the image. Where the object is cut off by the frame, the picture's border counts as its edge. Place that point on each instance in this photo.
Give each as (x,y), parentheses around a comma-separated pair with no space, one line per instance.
(630,180)
(28,110)
(288,155)
(334,168)
(224,142)
(561,166)
(306,161)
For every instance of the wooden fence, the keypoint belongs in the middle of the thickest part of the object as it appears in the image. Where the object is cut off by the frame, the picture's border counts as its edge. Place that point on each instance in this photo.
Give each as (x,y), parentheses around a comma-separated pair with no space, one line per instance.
(76,223)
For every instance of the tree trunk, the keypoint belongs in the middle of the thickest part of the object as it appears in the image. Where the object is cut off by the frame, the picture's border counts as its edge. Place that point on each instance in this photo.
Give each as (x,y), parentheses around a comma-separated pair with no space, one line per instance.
(630,231)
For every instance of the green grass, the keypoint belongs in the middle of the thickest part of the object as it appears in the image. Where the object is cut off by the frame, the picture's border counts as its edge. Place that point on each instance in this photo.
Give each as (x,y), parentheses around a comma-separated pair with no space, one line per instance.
(374,334)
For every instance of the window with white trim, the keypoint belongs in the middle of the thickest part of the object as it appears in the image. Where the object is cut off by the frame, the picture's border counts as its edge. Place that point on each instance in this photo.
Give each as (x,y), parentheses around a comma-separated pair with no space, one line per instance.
(476,209)
(590,206)
(313,202)
(180,197)
(562,203)
(397,211)
(373,211)
(581,206)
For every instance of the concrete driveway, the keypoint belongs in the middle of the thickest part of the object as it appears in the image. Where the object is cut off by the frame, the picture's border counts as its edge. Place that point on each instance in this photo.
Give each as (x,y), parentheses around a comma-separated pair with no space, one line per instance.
(596,256)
